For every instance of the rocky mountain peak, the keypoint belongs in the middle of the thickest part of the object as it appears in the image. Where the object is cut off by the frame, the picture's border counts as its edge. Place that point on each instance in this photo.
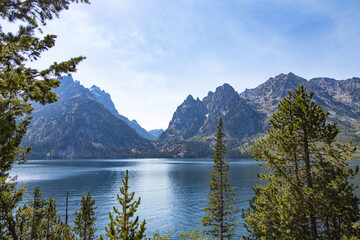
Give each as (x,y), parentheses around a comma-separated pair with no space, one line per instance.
(104,98)
(225,90)
(186,120)
(190,99)
(223,95)
(344,91)
(274,89)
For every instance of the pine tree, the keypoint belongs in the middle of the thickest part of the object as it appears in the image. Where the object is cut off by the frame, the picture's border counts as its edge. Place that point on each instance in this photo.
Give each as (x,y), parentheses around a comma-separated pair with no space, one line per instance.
(38,213)
(308,195)
(23,219)
(85,219)
(52,222)
(221,212)
(20,84)
(193,235)
(122,227)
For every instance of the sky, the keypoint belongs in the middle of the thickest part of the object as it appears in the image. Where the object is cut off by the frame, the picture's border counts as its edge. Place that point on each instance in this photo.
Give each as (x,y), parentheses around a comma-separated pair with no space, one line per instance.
(149,55)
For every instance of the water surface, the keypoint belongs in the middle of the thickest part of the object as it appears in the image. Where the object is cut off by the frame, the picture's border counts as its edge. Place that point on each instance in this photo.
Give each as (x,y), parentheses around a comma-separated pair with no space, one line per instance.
(173,191)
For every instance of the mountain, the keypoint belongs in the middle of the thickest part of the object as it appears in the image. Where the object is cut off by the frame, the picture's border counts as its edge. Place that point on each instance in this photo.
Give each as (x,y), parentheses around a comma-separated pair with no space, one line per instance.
(266,96)
(187,120)
(345,91)
(196,121)
(246,115)
(79,126)
(156,133)
(105,99)
(84,123)
(339,97)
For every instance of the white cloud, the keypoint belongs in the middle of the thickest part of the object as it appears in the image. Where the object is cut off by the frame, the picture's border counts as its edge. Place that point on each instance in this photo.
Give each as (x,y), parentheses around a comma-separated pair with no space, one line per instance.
(149,55)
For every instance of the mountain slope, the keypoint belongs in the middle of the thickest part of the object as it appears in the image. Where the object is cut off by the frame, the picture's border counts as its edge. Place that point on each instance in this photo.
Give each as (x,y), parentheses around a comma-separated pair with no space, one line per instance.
(186,121)
(239,118)
(195,122)
(105,99)
(345,91)
(266,96)
(246,115)
(78,126)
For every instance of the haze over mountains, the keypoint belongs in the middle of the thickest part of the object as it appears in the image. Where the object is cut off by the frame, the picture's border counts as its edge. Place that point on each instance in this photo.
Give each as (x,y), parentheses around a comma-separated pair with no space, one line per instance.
(84,123)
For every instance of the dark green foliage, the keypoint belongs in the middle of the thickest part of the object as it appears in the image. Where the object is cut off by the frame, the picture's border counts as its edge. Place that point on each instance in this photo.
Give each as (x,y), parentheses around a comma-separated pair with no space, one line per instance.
(38,214)
(18,85)
(157,236)
(36,220)
(122,226)
(194,235)
(9,200)
(52,222)
(85,219)
(308,195)
(67,233)
(221,212)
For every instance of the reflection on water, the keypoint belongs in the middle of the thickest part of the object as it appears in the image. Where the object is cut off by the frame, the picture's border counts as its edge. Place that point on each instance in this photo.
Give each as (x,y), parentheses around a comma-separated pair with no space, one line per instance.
(173,191)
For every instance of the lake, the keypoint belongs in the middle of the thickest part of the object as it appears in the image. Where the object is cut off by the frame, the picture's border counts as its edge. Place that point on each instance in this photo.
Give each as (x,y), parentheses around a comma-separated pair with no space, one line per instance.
(173,191)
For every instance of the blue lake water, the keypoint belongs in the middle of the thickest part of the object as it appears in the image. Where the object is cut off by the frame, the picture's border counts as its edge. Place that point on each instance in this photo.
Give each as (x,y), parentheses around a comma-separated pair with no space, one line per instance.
(173,191)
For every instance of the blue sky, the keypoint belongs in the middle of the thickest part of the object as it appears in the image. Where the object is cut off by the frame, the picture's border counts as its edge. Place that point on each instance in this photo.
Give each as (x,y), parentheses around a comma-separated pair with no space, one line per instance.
(150,54)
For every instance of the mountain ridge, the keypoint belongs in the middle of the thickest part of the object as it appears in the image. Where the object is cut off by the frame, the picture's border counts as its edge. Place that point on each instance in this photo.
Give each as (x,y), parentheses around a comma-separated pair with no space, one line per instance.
(193,125)
(78,125)
(246,115)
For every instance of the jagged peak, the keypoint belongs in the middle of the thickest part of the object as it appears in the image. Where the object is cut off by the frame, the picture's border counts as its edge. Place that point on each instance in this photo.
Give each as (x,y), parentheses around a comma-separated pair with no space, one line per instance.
(284,79)
(95,88)
(66,80)
(290,75)
(190,98)
(225,88)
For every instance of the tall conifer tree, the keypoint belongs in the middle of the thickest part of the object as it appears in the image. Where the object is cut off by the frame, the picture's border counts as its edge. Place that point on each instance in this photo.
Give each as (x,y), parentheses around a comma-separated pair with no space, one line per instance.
(85,219)
(19,84)
(122,226)
(308,195)
(221,212)
(38,213)
(52,222)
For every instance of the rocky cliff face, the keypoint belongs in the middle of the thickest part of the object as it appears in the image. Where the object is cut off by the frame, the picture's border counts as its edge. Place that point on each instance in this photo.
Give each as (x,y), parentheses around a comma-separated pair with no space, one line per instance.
(344,91)
(186,121)
(246,115)
(195,121)
(79,126)
(240,120)
(266,96)
(85,124)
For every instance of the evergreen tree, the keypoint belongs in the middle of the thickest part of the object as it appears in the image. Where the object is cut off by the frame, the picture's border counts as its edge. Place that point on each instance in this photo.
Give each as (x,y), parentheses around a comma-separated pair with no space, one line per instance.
(23,219)
(308,195)
(122,227)
(38,214)
(194,235)
(67,232)
(52,222)
(85,219)
(221,212)
(19,84)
